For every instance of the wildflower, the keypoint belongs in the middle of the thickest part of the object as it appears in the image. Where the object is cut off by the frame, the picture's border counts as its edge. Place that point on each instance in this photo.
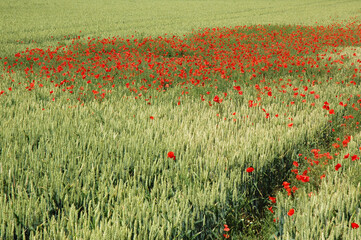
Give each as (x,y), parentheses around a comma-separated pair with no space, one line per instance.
(337,166)
(291,212)
(171,155)
(354,225)
(217,99)
(272,199)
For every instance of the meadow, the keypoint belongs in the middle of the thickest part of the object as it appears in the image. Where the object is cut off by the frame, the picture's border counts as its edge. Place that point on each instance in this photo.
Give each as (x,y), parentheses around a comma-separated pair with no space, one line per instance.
(180,120)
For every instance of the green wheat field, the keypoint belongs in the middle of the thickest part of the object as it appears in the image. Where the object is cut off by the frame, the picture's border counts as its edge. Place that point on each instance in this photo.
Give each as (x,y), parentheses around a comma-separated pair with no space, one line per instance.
(175,119)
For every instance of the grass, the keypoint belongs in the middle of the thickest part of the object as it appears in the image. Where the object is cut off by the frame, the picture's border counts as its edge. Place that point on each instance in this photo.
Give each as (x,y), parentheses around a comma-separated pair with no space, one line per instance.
(75,163)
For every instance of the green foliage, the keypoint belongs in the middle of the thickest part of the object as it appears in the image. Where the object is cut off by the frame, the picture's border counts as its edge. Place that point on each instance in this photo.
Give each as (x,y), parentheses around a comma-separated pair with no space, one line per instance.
(102,168)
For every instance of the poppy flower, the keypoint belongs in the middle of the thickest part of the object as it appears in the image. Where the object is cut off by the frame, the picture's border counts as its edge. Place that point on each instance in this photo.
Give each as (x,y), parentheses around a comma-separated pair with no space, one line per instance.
(250,169)
(303,178)
(354,157)
(272,199)
(295,163)
(225,235)
(290,124)
(226,228)
(286,184)
(336,145)
(291,212)
(151,117)
(346,156)
(337,166)
(171,155)
(354,225)
(217,99)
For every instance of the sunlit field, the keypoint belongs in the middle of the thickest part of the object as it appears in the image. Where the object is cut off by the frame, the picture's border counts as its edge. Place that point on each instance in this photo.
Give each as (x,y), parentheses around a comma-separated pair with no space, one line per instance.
(180,120)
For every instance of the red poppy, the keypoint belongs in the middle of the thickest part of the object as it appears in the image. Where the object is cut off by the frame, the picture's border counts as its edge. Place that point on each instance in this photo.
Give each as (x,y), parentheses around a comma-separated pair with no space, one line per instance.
(337,166)
(290,124)
(354,225)
(225,235)
(303,178)
(335,145)
(250,169)
(346,156)
(295,163)
(354,157)
(272,199)
(271,210)
(286,184)
(226,228)
(151,117)
(171,155)
(291,212)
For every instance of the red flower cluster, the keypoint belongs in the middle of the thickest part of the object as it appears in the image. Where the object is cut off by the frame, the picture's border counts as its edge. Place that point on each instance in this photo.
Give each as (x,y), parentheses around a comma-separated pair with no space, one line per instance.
(93,67)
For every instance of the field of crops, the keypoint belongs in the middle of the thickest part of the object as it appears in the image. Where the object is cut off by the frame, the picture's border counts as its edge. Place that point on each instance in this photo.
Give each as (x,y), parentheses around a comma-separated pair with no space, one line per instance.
(180,120)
